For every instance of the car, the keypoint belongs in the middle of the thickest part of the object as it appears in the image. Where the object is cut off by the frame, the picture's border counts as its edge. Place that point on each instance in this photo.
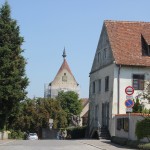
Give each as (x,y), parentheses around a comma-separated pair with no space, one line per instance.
(32,136)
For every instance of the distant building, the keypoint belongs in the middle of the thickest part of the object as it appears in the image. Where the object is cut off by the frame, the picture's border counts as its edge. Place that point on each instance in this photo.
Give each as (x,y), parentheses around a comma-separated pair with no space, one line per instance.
(122,59)
(85,111)
(63,81)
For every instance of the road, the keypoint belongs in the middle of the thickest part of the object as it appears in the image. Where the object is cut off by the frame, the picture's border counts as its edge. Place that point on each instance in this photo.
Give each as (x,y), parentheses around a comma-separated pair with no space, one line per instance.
(59,145)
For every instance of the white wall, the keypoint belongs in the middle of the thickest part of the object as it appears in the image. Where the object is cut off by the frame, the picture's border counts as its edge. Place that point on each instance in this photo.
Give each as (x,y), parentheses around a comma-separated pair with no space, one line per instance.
(133,118)
(126,74)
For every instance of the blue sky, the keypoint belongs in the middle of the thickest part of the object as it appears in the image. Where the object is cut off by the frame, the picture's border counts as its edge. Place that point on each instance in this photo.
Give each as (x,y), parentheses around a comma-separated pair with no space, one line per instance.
(49,25)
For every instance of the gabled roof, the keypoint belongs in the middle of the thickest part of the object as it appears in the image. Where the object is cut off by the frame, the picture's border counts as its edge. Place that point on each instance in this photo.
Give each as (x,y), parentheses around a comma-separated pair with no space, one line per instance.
(125,41)
(64,66)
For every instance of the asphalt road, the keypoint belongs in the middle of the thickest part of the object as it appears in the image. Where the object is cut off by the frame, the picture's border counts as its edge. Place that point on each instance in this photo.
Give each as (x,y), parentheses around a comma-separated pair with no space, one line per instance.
(59,145)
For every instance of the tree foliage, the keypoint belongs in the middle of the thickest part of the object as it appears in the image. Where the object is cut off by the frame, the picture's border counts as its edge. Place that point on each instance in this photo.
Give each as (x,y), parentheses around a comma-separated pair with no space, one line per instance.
(137,108)
(145,94)
(35,114)
(70,103)
(13,80)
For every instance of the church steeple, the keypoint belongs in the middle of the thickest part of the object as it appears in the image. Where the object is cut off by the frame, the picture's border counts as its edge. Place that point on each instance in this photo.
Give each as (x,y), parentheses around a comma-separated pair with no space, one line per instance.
(64,53)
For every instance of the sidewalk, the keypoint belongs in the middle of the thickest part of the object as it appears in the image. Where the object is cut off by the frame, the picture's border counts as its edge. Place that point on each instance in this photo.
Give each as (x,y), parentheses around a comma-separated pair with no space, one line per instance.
(104,145)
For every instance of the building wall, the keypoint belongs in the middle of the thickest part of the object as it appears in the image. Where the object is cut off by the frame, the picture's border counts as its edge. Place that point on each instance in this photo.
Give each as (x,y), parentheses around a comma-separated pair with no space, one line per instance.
(58,84)
(111,96)
(126,74)
(133,118)
(104,65)
(84,111)
(99,97)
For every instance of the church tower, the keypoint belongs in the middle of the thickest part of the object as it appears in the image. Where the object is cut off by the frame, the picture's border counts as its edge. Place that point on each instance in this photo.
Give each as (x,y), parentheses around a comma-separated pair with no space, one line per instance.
(64,80)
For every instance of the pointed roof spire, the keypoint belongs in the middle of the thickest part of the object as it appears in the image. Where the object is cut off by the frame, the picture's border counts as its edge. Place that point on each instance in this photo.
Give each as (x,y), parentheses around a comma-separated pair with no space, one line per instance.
(64,53)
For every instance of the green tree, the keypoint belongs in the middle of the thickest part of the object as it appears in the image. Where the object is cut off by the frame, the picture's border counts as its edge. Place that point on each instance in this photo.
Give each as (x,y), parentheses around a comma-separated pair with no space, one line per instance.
(13,80)
(35,114)
(70,103)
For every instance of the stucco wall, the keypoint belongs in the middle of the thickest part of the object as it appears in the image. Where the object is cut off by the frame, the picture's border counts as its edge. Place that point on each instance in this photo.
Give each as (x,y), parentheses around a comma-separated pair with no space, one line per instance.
(3,135)
(59,85)
(132,125)
(97,98)
(126,75)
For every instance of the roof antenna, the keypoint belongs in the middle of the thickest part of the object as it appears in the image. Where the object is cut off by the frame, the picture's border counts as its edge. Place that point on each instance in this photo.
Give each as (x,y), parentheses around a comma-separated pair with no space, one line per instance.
(64,53)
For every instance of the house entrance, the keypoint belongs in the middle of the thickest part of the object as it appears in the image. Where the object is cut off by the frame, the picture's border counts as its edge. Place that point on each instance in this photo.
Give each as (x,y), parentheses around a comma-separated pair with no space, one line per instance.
(105,115)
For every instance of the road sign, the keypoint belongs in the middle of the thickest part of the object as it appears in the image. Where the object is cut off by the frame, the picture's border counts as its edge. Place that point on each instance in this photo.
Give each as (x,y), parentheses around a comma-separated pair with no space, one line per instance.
(129,90)
(128,110)
(129,103)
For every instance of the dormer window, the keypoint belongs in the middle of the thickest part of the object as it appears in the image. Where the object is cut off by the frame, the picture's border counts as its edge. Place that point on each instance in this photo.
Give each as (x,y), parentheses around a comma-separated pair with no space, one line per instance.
(145,47)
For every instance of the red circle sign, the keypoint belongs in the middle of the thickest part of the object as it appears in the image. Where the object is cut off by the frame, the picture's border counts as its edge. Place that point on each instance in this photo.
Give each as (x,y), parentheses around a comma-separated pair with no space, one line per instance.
(129,90)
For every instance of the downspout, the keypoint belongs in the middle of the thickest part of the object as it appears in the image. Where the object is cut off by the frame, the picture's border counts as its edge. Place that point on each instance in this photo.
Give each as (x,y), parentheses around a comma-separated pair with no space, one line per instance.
(118,89)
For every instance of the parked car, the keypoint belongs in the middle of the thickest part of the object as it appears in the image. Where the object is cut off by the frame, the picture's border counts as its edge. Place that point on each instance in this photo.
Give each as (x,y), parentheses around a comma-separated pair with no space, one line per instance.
(32,136)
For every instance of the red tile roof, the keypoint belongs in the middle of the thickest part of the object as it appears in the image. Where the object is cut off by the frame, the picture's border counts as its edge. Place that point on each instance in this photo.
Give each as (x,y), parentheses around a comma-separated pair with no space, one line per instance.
(65,66)
(84,101)
(125,41)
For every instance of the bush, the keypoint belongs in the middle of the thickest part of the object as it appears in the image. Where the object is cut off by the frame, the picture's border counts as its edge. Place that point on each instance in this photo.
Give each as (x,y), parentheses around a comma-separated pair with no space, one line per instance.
(16,134)
(145,146)
(76,132)
(143,129)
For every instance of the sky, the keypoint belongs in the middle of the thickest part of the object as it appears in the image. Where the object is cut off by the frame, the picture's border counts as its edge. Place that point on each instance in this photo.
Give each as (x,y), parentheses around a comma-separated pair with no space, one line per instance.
(50,25)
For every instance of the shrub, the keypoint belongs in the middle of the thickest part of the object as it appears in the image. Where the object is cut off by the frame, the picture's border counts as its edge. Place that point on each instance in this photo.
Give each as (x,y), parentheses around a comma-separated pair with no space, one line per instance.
(143,129)
(76,132)
(144,146)
(16,134)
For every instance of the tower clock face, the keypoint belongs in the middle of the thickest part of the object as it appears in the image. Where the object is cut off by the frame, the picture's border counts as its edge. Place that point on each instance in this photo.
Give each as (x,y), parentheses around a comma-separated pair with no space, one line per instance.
(64,77)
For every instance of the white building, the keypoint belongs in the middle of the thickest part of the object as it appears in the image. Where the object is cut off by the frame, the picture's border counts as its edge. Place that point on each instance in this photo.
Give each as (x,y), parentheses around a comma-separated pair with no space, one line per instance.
(63,81)
(122,59)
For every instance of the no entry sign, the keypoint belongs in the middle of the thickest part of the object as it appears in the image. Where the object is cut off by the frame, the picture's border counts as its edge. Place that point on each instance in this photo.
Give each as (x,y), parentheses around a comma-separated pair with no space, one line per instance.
(129,90)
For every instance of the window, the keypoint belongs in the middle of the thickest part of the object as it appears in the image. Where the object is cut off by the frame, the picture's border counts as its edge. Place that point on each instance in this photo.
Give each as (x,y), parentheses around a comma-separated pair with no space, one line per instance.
(96,112)
(99,85)
(107,83)
(99,56)
(145,47)
(138,82)
(123,123)
(93,87)
(64,77)
(105,54)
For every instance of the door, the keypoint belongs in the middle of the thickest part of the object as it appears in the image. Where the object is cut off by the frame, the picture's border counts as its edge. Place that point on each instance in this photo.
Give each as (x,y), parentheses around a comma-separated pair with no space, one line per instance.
(105,114)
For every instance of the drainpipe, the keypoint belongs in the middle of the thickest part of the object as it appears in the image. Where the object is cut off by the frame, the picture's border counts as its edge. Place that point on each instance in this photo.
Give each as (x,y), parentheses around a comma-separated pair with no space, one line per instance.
(118,89)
